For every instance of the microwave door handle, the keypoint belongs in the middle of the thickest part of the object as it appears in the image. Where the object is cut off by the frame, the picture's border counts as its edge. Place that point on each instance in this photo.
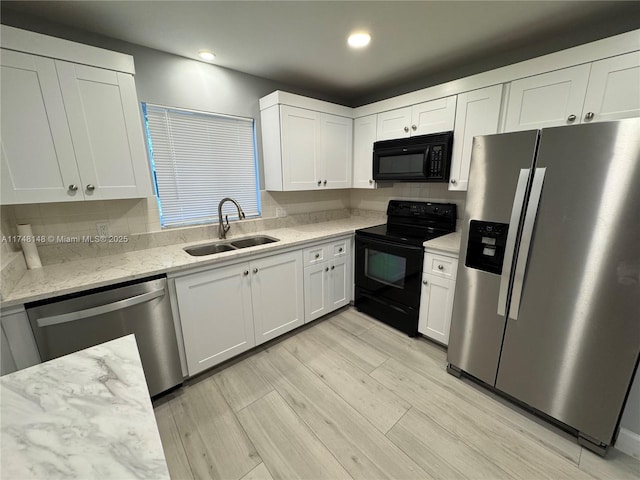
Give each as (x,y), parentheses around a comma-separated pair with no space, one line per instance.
(509,249)
(525,242)
(426,165)
(95,311)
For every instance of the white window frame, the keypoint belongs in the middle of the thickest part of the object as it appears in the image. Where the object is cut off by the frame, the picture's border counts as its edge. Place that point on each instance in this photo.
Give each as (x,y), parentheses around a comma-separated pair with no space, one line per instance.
(198,158)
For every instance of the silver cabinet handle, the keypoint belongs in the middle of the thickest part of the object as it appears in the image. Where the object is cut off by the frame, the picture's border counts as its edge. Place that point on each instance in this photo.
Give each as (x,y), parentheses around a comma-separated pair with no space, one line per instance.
(326,269)
(571,118)
(440,267)
(406,129)
(325,182)
(255,270)
(453,181)
(414,128)
(370,181)
(95,311)
(525,241)
(424,282)
(514,221)
(245,273)
(589,116)
(333,267)
(340,250)
(319,182)
(73,187)
(90,188)
(317,255)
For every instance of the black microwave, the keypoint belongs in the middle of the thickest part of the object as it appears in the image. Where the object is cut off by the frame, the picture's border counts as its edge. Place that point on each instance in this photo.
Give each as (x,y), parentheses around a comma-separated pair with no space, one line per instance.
(423,158)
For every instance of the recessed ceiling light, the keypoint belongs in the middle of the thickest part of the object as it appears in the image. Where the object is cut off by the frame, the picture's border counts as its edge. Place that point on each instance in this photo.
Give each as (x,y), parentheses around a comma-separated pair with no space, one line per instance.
(206,55)
(359,39)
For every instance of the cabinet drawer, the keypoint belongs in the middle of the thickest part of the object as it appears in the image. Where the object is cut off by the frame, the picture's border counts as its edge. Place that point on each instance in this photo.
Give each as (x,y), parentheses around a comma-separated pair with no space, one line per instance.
(326,251)
(339,248)
(314,255)
(440,265)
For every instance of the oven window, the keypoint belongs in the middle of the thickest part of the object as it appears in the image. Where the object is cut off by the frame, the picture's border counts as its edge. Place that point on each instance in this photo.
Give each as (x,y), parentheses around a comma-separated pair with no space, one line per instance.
(385,267)
(402,164)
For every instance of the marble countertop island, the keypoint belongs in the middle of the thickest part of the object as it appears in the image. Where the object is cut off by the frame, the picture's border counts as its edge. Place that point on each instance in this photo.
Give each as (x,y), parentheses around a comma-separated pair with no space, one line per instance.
(86,415)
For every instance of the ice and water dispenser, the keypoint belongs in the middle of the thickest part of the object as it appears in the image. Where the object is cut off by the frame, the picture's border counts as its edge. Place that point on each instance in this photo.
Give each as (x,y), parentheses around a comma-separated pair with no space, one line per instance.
(486,246)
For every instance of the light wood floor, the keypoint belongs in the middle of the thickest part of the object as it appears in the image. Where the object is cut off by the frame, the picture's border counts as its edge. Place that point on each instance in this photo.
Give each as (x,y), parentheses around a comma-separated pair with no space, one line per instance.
(349,397)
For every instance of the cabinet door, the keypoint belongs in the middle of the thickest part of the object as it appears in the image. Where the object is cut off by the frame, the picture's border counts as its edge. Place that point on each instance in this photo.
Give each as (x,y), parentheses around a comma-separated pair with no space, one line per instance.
(477,113)
(277,295)
(300,148)
(339,286)
(436,305)
(336,151)
(38,160)
(434,116)
(394,124)
(614,89)
(216,316)
(364,135)
(315,291)
(104,119)
(548,100)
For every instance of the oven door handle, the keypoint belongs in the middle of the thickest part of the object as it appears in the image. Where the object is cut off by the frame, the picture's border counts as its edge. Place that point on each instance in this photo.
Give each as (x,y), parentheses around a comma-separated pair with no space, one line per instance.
(373,241)
(102,309)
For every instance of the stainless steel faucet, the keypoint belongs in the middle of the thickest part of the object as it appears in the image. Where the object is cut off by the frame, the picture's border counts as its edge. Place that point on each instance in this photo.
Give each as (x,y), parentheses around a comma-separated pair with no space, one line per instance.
(222,228)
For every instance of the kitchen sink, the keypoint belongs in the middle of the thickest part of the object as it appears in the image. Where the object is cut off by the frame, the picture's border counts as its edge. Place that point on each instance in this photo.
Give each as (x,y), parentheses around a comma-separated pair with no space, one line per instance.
(219,247)
(253,241)
(209,249)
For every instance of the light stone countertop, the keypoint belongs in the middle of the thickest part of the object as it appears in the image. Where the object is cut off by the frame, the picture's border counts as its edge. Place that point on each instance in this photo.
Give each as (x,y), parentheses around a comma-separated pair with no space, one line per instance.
(71,277)
(84,415)
(447,243)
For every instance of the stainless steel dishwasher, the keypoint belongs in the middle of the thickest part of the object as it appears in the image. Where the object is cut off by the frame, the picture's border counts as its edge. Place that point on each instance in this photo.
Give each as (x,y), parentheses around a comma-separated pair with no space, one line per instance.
(78,321)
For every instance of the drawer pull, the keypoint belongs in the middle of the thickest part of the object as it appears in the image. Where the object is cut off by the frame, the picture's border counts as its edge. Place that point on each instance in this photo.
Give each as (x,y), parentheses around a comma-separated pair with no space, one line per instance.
(424,282)
(440,267)
(340,250)
(332,267)
(317,255)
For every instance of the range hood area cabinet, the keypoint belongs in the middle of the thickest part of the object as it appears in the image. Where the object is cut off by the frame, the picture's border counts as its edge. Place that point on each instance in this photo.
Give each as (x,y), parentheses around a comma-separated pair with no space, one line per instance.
(307,147)
(70,130)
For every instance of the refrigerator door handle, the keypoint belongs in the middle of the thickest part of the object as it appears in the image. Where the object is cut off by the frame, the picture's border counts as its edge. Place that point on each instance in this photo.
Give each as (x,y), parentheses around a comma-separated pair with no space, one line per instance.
(525,242)
(514,221)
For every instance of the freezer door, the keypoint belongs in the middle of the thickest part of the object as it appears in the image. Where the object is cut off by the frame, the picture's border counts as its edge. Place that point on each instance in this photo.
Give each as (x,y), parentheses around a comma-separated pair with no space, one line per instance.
(498,181)
(572,342)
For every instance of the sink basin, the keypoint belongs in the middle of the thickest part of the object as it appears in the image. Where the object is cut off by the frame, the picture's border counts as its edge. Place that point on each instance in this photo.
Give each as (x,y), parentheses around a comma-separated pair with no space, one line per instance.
(209,249)
(253,241)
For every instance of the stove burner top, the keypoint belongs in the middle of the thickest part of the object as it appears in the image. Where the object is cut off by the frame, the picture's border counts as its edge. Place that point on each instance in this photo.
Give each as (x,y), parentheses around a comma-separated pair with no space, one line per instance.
(413,223)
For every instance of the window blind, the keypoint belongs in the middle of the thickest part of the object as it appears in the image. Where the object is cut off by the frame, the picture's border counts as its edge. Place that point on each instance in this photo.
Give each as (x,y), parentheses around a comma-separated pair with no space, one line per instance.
(198,159)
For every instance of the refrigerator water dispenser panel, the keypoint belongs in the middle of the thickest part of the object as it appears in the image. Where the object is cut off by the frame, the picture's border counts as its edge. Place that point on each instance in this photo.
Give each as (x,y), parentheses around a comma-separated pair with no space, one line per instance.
(485,249)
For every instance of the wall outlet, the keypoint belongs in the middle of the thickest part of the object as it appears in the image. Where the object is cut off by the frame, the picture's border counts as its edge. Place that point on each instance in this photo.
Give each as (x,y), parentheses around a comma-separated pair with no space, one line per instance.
(103,229)
(281,212)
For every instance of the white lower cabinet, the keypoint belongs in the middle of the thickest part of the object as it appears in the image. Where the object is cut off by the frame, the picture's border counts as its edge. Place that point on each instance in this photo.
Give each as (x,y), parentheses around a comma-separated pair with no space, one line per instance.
(327,278)
(436,297)
(277,295)
(226,311)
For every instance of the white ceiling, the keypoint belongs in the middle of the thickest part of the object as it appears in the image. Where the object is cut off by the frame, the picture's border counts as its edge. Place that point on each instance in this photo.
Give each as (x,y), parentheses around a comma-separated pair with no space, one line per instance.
(304,42)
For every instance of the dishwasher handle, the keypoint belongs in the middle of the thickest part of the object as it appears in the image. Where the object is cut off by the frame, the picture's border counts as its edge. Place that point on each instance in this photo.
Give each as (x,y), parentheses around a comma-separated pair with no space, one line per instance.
(95,311)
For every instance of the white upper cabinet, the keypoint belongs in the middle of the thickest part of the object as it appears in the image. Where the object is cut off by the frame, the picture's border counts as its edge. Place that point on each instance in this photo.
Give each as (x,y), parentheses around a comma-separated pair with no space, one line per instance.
(305,149)
(336,151)
(477,113)
(301,168)
(614,89)
(548,100)
(69,132)
(38,158)
(421,119)
(364,135)
(103,114)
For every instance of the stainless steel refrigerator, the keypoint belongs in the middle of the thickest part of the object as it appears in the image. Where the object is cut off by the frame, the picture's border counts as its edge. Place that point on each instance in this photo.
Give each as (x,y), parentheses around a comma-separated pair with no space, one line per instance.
(547,301)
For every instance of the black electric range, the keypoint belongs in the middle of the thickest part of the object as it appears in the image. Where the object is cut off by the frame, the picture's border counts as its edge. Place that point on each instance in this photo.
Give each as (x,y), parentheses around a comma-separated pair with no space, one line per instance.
(388,263)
